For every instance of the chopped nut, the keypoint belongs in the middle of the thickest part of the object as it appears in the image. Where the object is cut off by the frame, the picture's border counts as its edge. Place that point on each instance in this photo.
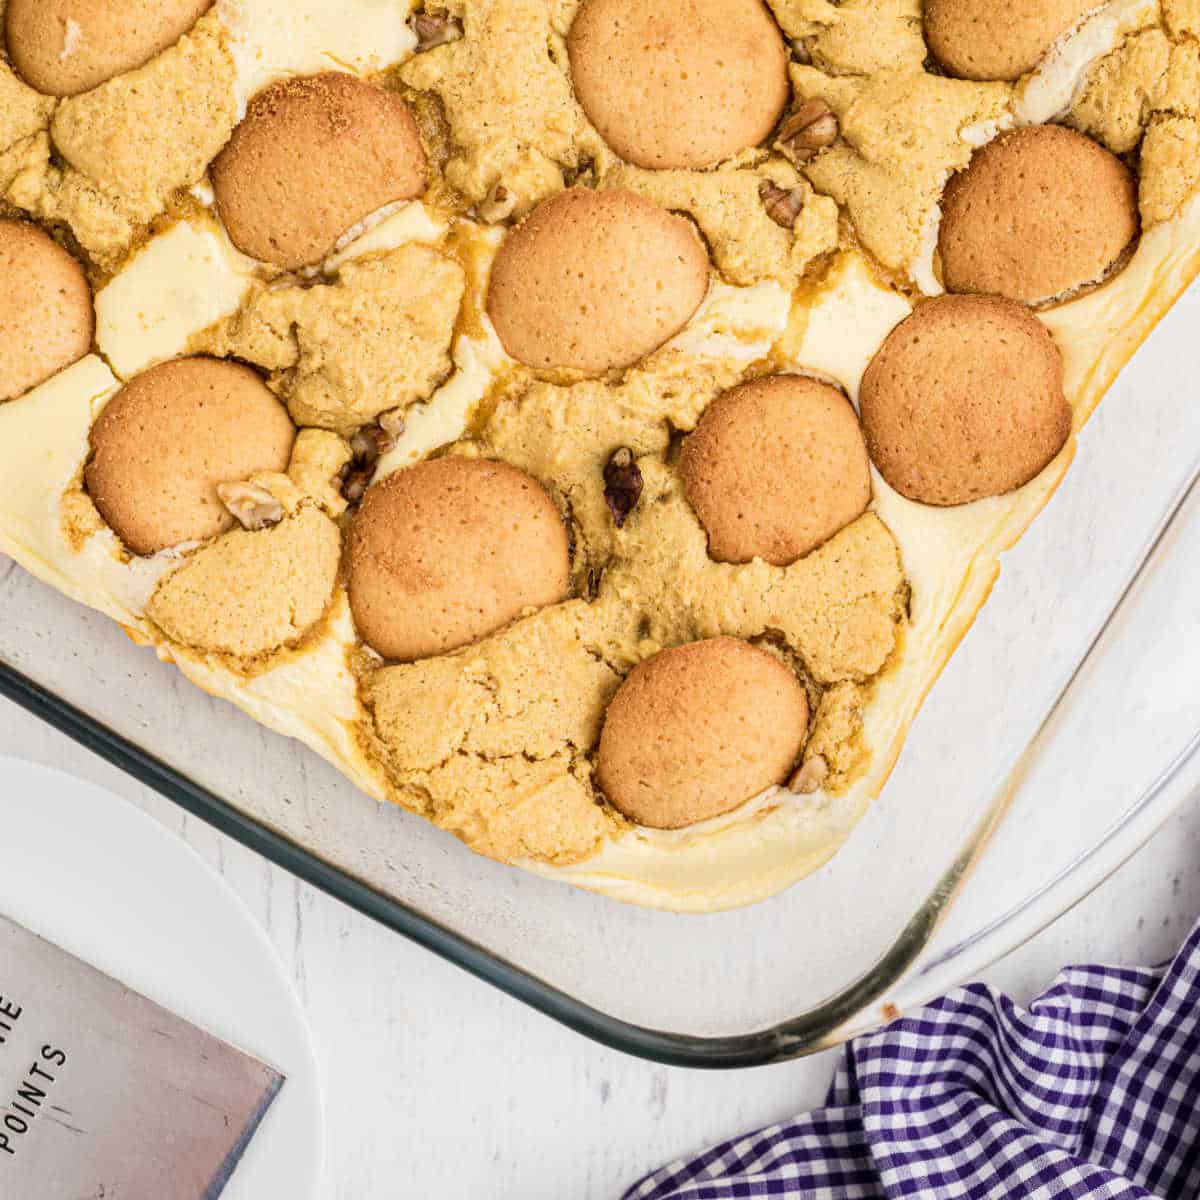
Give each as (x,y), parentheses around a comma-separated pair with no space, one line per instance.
(810,777)
(623,485)
(498,205)
(435,29)
(393,425)
(783,206)
(254,507)
(364,447)
(581,175)
(807,131)
(368,445)
(355,481)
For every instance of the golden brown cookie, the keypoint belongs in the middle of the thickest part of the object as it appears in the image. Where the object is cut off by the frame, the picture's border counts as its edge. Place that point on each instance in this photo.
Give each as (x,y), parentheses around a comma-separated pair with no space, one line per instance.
(985,39)
(775,468)
(169,437)
(1038,213)
(685,84)
(696,731)
(964,400)
(595,281)
(448,551)
(313,157)
(64,47)
(46,314)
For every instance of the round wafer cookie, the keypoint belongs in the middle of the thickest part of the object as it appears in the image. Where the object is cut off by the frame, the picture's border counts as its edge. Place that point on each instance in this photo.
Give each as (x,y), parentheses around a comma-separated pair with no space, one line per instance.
(169,437)
(696,731)
(447,552)
(1038,214)
(595,280)
(775,468)
(313,157)
(46,314)
(685,84)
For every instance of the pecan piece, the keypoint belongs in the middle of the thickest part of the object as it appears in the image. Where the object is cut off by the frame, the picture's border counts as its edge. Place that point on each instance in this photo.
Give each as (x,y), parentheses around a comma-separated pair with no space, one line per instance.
(783,205)
(583,174)
(355,481)
(807,131)
(368,445)
(623,485)
(434,29)
(393,425)
(253,505)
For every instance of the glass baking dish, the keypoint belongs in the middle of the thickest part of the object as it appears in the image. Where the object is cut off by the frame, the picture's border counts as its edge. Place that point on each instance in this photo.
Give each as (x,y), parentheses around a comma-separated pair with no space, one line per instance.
(972,848)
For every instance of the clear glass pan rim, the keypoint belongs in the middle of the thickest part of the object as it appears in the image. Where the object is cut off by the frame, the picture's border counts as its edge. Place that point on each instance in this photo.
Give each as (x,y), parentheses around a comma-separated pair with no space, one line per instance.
(880,994)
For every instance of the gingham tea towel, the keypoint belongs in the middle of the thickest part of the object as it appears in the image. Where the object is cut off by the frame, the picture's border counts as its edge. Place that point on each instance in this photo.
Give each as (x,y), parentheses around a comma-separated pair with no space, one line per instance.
(1093,1092)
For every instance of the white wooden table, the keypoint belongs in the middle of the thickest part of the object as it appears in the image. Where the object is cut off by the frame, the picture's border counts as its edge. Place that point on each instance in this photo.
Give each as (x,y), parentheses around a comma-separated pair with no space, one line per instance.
(437,1085)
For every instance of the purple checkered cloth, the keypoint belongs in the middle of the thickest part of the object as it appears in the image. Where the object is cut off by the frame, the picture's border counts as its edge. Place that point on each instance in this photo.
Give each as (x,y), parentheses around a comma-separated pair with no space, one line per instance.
(1094,1091)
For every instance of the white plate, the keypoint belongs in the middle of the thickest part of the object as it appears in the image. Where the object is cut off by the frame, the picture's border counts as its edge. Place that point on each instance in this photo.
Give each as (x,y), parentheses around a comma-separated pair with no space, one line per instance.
(87,870)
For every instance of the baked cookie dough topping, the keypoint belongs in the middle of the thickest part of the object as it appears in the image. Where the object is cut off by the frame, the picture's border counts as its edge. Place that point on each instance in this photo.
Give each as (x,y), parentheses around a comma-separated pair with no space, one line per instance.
(164,443)
(434,29)
(679,85)
(980,39)
(505,93)
(902,134)
(1126,73)
(1144,96)
(254,591)
(761,223)
(775,468)
(314,157)
(46,315)
(109,161)
(863,37)
(492,742)
(698,730)
(375,339)
(65,47)
(1039,214)
(595,281)
(965,400)
(451,550)
(321,461)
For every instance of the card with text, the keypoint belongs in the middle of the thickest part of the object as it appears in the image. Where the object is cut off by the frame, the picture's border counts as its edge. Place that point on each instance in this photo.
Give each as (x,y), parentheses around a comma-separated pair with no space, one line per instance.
(104,1093)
